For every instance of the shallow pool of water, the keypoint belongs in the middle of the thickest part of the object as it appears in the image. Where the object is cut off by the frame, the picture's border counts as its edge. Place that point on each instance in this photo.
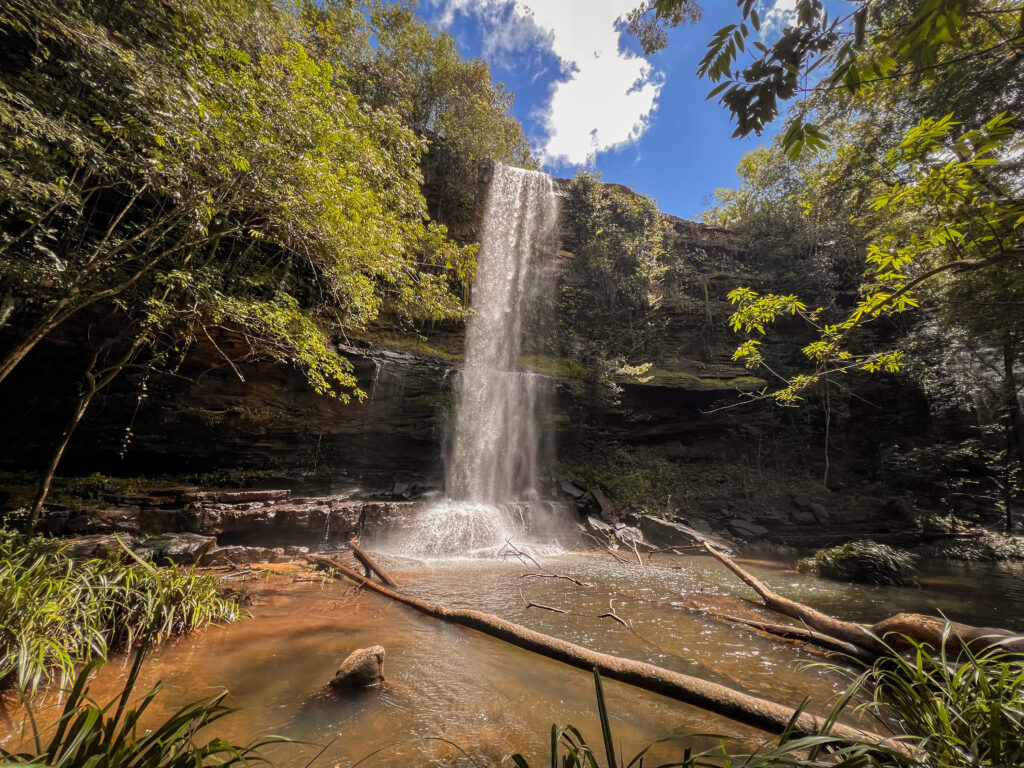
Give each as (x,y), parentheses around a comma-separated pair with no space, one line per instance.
(447,682)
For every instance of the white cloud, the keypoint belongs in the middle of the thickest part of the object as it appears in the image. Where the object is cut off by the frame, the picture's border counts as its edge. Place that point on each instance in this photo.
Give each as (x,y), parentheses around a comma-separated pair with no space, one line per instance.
(781,14)
(605,97)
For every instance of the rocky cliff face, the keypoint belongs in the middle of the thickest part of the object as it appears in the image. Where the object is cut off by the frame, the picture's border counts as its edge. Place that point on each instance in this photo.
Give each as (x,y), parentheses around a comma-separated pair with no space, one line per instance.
(664,442)
(211,416)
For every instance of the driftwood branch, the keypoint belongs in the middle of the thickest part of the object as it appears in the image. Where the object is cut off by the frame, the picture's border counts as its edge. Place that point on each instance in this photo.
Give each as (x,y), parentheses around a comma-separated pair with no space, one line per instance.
(741,707)
(531,604)
(520,555)
(577,582)
(606,546)
(884,636)
(370,565)
(802,635)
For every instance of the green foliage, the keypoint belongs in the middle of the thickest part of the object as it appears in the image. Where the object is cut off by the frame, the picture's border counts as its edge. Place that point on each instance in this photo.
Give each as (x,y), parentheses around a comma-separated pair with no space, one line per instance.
(201,165)
(612,285)
(398,62)
(56,613)
(648,22)
(854,54)
(862,562)
(971,225)
(967,712)
(109,736)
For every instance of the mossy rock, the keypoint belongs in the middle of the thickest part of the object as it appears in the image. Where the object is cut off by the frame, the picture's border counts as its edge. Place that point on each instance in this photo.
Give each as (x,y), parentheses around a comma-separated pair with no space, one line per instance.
(863,562)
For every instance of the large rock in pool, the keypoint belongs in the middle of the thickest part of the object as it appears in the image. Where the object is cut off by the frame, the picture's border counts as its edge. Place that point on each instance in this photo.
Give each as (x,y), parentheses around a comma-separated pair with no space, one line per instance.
(363,667)
(666,533)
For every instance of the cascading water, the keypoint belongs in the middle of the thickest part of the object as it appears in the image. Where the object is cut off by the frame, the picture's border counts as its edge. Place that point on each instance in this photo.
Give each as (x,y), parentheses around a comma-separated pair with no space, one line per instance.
(492,468)
(494,455)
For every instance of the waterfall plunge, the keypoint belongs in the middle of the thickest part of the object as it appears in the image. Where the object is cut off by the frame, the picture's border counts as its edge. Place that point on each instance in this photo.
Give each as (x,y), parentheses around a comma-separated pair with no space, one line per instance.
(495,446)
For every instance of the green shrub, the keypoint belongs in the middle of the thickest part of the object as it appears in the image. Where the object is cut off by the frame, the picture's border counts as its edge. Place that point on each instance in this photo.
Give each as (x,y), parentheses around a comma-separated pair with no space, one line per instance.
(56,613)
(864,562)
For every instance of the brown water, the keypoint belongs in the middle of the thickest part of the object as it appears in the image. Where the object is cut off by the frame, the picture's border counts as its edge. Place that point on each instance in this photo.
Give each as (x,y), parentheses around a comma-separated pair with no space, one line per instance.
(490,698)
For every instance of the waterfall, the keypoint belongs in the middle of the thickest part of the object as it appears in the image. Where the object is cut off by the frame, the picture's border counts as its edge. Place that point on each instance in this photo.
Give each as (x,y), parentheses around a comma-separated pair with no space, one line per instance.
(494,456)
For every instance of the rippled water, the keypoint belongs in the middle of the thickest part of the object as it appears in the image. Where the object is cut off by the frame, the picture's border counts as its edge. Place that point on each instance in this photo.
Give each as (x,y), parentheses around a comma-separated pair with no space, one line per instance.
(490,698)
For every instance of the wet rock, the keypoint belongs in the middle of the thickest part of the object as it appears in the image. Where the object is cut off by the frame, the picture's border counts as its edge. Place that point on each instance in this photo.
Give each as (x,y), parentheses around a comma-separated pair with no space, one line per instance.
(149,500)
(570,490)
(603,504)
(97,545)
(238,497)
(666,533)
(700,524)
(378,516)
(179,548)
(819,510)
(746,529)
(236,555)
(363,667)
(306,517)
(598,527)
(803,517)
(222,518)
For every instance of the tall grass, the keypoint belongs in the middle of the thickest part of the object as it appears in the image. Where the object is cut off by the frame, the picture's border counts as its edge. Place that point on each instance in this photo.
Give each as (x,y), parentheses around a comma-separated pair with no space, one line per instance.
(88,735)
(963,711)
(56,613)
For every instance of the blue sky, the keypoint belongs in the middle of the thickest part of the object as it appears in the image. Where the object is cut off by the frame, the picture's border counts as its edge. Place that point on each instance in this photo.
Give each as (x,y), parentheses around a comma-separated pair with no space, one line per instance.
(587,100)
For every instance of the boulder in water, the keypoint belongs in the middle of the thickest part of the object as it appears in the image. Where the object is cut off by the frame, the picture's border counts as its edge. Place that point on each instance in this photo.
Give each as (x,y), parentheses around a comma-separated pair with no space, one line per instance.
(362,668)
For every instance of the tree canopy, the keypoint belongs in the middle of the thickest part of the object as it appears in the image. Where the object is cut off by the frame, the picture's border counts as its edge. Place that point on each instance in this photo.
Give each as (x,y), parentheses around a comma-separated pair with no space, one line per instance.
(172,170)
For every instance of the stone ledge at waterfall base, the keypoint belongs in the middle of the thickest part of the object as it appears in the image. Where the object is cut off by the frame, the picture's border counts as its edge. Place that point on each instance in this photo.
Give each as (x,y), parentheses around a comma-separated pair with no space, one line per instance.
(250,525)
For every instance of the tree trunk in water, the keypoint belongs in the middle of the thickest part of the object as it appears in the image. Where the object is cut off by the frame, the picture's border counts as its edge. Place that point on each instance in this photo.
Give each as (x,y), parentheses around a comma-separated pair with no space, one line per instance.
(807,636)
(370,565)
(885,636)
(741,707)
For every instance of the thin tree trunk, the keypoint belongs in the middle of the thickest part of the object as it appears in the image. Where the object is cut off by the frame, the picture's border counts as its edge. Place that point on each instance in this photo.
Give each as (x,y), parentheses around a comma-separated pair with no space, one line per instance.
(741,707)
(828,431)
(94,383)
(51,469)
(370,565)
(1012,427)
(39,332)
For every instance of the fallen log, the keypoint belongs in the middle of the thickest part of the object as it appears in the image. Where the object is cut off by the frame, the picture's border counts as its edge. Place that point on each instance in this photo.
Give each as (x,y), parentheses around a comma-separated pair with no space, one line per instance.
(735,705)
(884,636)
(808,636)
(370,565)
